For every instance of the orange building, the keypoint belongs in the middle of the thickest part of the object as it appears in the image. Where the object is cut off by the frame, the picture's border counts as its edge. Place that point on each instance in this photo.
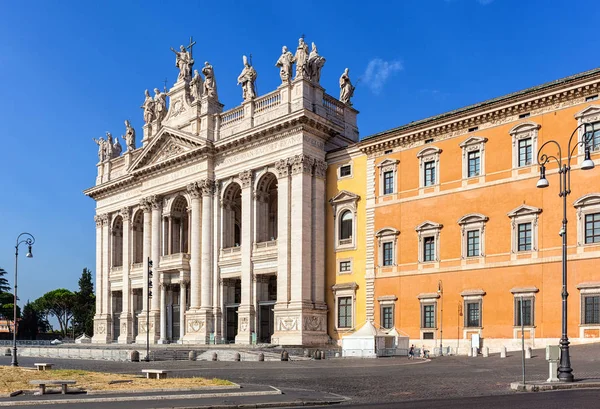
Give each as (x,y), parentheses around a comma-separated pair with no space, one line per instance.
(460,234)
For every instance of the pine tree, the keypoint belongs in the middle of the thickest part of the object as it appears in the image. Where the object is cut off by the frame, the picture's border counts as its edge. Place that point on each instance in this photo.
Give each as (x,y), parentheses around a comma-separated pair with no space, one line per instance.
(85,305)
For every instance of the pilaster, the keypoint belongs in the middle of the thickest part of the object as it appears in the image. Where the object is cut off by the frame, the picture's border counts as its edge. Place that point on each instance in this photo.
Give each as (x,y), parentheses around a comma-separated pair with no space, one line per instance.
(102,319)
(146,252)
(155,311)
(126,333)
(216,282)
(246,312)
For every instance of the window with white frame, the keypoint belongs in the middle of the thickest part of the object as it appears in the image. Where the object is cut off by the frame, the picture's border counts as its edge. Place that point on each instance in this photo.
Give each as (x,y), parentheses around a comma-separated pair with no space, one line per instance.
(429,241)
(388,170)
(345,266)
(590,305)
(524,224)
(428,318)
(590,132)
(387,239)
(588,215)
(473,304)
(345,171)
(524,310)
(345,206)
(345,301)
(472,229)
(387,306)
(429,165)
(473,157)
(524,139)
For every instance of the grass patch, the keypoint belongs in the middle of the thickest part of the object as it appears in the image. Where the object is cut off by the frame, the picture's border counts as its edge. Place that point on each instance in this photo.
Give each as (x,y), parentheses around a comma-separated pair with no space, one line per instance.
(12,379)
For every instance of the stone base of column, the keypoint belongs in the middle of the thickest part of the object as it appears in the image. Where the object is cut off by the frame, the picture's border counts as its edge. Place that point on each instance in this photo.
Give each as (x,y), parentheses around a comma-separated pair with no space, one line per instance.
(300,325)
(198,326)
(154,328)
(102,329)
(218,316)
(246,320)
(126,335)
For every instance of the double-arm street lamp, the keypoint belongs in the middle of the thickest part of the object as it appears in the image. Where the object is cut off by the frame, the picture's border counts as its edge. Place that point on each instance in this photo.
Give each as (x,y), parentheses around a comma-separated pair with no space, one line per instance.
(565,372)
(29,240)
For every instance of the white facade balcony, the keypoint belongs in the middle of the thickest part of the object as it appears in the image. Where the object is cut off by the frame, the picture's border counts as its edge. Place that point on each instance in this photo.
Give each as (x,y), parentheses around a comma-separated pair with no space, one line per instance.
(178,262)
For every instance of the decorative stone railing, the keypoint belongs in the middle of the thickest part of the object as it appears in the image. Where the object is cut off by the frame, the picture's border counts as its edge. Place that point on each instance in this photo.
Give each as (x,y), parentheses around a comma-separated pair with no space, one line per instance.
(117,269)
(177,261)
(232,116)
(230,250)
(137,266)
(263,244)
(267,102)
(346,241)
(333,108)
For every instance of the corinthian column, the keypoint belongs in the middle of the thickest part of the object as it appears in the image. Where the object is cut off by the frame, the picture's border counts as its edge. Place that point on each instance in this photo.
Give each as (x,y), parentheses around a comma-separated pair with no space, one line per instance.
(207,242)
(318,239)
(156,204)
(283,234)
(246,312)
(195,251)
(101,318)
(146,252)
(125,336)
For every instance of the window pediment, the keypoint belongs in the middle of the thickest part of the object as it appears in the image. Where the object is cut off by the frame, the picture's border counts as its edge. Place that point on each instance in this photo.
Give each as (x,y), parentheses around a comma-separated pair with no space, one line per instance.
(592,110)
(344,197)
(473,218)
(387,231)
(523,128)
(473,140)
(524,210)
(344,286)
(388,162)
(430,150)
(428,225)
(591,199)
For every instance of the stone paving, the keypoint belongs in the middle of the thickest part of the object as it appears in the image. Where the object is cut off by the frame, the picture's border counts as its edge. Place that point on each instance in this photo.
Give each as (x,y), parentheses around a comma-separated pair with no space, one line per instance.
(369,380)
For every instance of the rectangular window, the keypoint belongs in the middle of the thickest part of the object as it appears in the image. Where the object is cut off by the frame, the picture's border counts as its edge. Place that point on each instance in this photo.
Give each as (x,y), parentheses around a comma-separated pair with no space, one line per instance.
(429,249)
(592,136)
(345,170)
(475,128)
(387,316)
(428,316)
(388,253)
(527,312)
(345,266)
(474,159)
(524,238)
(473,243)
(591,98)
(525,115)
(388,182)
(345,312)
(473,317)
(591,309)
(592,228)
(525,152)
(429,178)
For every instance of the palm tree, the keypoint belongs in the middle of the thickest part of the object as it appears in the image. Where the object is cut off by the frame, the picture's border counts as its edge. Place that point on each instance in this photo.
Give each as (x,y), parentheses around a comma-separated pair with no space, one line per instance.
(4,286)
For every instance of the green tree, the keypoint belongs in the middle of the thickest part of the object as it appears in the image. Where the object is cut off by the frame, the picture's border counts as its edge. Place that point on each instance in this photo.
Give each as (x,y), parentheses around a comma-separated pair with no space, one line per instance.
(7,307)
(32,322)
(4,286)
(58,303)
(85,305)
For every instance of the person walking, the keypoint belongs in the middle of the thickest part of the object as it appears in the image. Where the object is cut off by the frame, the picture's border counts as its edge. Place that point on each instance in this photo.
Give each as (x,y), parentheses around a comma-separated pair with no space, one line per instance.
(411,352)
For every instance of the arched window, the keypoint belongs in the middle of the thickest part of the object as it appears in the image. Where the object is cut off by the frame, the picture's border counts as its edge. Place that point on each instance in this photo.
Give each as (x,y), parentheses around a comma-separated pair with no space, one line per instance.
(117,242)
(232,216)
(346,226)
(138,236)
(266,208)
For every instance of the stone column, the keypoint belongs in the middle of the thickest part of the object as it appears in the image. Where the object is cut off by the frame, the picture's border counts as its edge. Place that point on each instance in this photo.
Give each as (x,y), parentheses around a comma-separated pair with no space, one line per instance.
(246,311)
(163,312)
(146,251)
(101,318)
(216,301)
(126,335)
(192,319)
(107,294)
(206,313)
(99,288)
(182,303)
(155,311)
(318,236)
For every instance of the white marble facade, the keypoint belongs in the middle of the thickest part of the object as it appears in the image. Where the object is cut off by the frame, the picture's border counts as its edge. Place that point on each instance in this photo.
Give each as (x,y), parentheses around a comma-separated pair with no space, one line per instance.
(230,208)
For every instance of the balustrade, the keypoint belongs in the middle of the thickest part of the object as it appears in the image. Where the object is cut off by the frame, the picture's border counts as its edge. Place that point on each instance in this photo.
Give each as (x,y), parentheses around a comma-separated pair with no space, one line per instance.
(232,116)
(267,102)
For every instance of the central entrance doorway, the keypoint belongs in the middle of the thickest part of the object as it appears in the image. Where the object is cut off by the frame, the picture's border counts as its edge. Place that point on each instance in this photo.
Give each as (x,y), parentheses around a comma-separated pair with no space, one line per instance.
(231,319)
(266,320)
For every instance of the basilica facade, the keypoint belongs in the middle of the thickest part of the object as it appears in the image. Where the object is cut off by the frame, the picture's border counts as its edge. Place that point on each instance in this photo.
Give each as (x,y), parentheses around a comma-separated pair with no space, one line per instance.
(213,229)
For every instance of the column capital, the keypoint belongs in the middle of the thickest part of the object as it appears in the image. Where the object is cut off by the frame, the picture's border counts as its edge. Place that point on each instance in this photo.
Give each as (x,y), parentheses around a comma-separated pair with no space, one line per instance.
(320,168)
(145,205)
(207,186)
(155,202)
(194,190)
(126,213)
(302,164)
(246,177)
(99,220)
(184,283)
(282,167)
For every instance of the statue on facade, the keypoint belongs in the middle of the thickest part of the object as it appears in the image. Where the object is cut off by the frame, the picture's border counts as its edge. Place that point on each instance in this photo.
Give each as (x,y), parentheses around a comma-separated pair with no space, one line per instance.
(101,149)
(148,108)
(285,62)
(301,58)
(196,86)
(246,79)
(108,147)
(117,149)
(129,136)
(184,62)
(314,65)
(160,105)
(346,88)
(210,84)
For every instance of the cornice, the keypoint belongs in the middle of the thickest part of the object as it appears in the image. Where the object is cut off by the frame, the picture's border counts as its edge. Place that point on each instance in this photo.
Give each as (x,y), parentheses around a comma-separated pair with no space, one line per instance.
(494,112)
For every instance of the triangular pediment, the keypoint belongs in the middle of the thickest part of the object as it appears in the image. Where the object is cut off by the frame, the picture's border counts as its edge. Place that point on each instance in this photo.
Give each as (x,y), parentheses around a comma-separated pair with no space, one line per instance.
(591,110)
(524,210)
(428,225)
(168,144)
(344,196)
(388,162)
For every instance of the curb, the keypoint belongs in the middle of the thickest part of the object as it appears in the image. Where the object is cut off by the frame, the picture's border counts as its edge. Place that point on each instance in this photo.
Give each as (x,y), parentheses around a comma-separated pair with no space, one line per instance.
(542,386)
(282,404)
(273,391)
(130,391)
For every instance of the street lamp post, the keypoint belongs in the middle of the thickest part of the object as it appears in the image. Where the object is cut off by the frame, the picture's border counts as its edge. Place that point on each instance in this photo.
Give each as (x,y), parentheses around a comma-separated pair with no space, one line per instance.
(441,292)
(29,240)
(565,372)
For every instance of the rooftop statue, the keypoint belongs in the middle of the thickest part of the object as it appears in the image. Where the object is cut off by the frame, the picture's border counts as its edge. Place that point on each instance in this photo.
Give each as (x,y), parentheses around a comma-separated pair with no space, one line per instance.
(101,149)
(210,84)
(196,86)
(285,62)
(247,79)
(148,107)
(129,136)
(346,88)
(116,149)
(108,147)
(184,62)
(314,65)
(160,105)
(301,58)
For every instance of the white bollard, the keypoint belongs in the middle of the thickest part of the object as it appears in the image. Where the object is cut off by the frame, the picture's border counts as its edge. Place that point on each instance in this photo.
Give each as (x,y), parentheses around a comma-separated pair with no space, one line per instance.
(486,352)
(474,352)
(503,352)
(528,353)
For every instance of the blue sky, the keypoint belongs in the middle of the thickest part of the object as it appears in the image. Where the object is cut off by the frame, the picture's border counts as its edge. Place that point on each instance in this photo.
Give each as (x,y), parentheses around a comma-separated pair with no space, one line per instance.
(72,70)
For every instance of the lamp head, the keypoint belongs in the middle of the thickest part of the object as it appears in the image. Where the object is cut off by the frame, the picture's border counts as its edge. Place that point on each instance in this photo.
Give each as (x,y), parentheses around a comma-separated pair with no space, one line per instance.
(543,182)
(588,163)
(29,254)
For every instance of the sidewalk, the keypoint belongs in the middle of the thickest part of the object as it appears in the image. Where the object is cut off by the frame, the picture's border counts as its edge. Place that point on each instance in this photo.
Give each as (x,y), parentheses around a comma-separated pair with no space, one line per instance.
(539,386)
